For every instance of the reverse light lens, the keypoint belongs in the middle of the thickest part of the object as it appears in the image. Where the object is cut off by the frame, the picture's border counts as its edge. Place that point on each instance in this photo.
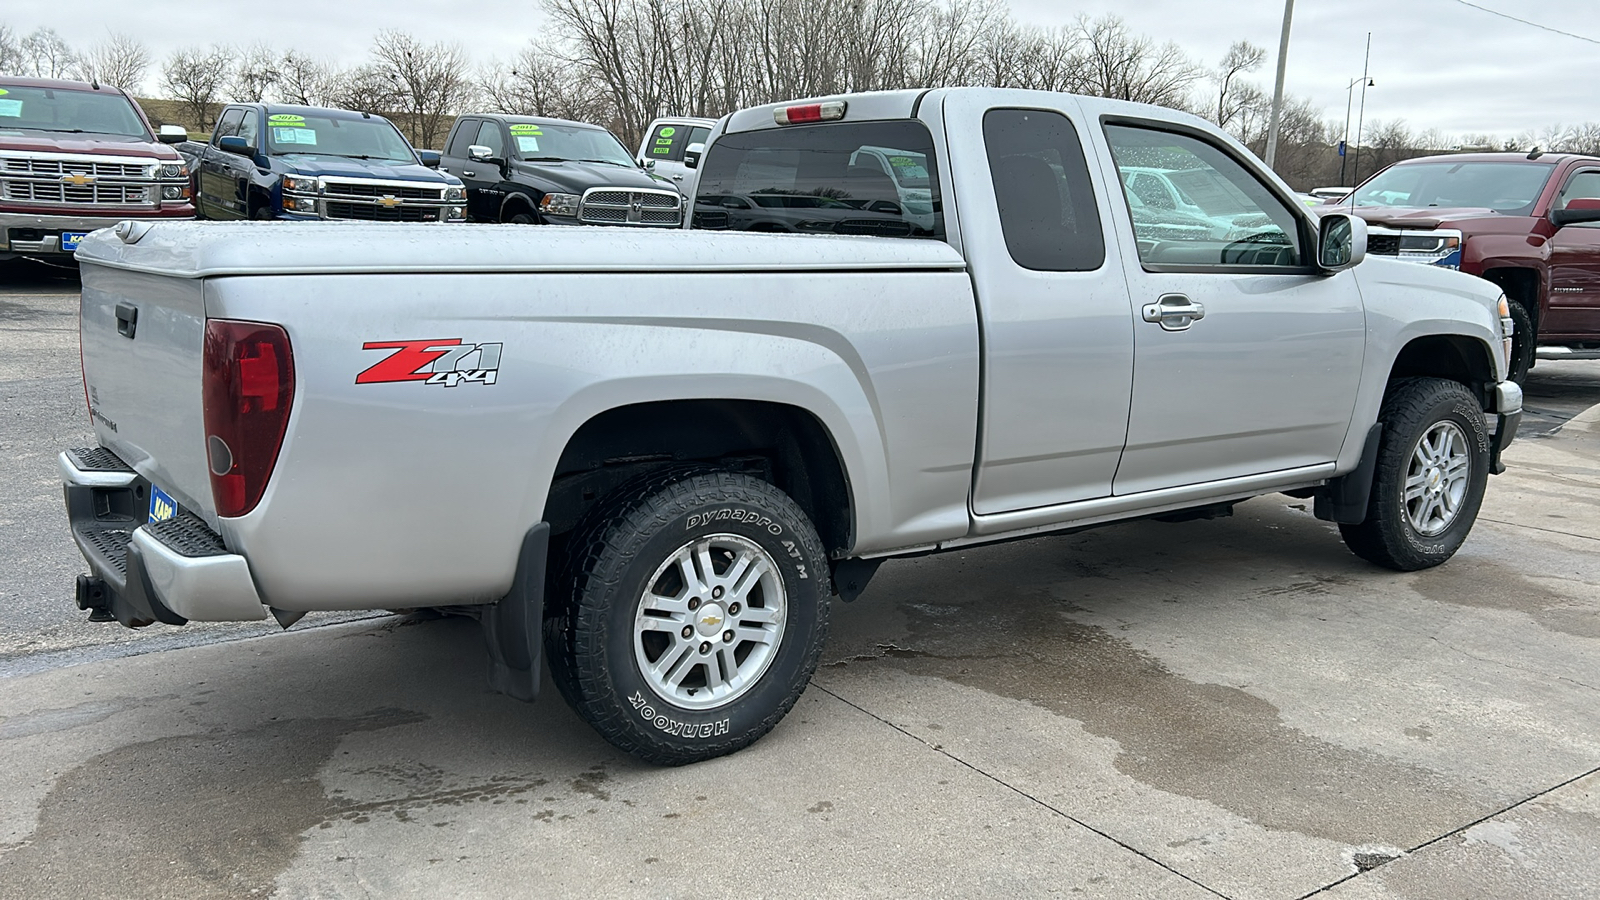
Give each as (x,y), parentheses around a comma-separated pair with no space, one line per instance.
(246,391)
(560,204)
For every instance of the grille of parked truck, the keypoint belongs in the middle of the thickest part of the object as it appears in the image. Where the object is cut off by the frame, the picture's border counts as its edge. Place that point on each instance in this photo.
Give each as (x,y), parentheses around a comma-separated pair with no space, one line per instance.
(538,171)
(267,161)
(75,157)
(653,455)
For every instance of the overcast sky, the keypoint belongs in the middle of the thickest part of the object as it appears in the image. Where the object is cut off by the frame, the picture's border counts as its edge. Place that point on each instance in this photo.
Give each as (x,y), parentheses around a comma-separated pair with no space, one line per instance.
(1437,63)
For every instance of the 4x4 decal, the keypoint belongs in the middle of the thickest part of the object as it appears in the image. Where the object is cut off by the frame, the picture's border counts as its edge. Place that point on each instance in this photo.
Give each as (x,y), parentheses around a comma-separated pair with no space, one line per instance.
(445,361)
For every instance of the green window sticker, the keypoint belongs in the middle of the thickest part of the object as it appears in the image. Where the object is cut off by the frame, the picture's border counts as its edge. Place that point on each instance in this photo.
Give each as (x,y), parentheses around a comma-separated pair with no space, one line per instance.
(287,121)
(527,129)
(661,151)
(11,109)
(527,143)
(3,92)
(667,132)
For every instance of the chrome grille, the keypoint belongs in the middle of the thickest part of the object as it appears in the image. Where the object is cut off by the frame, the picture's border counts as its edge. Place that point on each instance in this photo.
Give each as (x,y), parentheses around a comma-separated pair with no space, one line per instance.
(13,165)
(616,206)
(112,193)
(374,200)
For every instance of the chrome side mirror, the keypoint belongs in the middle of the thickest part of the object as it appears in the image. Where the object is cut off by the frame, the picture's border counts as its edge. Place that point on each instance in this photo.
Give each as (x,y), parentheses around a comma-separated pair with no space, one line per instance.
(1341,242)
(172,134)
(479,153)
(692,154)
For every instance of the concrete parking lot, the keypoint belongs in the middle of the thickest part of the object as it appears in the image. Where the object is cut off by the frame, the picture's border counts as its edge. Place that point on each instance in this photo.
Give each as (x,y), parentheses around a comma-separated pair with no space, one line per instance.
(1236,708)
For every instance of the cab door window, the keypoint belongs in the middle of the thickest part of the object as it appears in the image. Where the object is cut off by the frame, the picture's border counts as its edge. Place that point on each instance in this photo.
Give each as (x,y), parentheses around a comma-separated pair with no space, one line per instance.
(1042,189)
(1228,218)
(250,128)
(489,136)
(228,124)
(1585,184)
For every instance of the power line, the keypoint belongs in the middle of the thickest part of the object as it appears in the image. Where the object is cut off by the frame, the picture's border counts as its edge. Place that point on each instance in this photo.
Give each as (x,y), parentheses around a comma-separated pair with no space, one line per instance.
(1495,12)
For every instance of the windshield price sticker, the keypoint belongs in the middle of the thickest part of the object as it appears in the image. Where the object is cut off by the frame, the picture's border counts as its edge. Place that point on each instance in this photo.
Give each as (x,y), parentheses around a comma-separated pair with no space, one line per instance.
(527,143)
(287,121)
(300,135)
(11,109)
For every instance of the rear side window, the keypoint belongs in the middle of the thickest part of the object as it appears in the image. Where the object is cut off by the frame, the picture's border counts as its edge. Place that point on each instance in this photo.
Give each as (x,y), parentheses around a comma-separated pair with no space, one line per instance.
(1043,192)
(666,142)
(873,178)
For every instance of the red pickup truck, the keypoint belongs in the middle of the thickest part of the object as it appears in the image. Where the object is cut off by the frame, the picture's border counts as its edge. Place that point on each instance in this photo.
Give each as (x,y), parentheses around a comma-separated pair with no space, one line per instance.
(1527,222)
(75,157)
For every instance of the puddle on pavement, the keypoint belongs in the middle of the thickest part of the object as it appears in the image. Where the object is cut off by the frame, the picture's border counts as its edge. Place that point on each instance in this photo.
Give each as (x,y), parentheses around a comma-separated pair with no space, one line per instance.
(1484,584)
(1206,741)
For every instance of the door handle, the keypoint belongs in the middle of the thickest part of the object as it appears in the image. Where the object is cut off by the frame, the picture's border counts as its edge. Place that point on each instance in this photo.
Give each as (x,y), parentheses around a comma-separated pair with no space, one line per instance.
(677,178)
(1173,312)
(127,319)
(468,172)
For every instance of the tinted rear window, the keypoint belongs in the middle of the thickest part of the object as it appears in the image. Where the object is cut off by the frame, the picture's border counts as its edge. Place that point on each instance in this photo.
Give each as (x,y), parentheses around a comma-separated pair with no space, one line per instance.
(874,178)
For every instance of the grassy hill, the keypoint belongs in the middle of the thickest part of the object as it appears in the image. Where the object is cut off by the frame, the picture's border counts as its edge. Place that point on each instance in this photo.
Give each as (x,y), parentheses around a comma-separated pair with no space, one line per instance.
(171,112)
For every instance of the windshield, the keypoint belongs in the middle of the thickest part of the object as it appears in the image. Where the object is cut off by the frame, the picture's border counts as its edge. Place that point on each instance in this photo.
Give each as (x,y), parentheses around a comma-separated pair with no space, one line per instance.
(48,109)
(549,142)
(314,135)
(1507,187)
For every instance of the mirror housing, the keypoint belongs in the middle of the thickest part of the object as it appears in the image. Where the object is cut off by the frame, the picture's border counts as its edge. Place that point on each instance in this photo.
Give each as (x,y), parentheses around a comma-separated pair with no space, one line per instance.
(1579,209)
(480,153)
(1341,242)
(429,158)
(232,143)
(172,134)
(692,154)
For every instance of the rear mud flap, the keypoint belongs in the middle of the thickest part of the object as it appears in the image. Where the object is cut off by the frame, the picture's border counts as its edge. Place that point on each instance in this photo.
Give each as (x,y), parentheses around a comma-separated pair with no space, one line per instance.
(513,628)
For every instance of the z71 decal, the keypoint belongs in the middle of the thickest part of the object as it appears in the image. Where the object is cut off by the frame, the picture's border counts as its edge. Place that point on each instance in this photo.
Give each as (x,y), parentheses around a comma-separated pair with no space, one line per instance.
(445,361)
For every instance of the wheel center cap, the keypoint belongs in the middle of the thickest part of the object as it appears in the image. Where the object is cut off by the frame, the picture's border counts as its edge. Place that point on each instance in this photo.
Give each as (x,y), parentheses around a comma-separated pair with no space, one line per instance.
(709,618)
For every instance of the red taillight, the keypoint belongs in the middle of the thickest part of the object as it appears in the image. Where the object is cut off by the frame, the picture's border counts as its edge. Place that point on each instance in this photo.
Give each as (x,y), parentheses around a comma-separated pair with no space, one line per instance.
(247,390)
(809,112)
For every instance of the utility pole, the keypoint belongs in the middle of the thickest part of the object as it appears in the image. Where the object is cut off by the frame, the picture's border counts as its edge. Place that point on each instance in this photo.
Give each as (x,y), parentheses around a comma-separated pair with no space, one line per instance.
(1277,92)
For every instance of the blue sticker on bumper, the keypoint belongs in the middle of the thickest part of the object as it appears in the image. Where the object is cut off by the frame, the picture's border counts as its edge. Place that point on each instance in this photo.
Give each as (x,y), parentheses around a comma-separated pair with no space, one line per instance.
(70,239)
(162,507)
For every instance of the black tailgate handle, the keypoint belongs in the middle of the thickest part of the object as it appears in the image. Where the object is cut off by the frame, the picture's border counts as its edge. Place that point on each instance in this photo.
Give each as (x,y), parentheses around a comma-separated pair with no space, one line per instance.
(127,319)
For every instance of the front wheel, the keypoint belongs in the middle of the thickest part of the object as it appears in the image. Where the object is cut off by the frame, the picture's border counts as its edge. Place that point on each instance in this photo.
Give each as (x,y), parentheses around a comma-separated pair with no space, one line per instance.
(1523,343)
(1433,465)
(691,615)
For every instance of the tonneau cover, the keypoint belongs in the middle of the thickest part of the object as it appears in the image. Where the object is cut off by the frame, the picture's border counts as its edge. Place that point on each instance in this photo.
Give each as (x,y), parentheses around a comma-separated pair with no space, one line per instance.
(201,249)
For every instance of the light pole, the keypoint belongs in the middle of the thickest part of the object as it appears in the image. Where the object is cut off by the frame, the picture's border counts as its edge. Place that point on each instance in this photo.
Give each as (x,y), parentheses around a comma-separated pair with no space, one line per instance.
(1277,91)
(1344,148)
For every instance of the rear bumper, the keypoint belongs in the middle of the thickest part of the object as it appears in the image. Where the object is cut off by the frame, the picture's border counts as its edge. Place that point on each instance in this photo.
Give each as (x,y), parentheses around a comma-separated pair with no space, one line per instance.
(40,234)
(173,571)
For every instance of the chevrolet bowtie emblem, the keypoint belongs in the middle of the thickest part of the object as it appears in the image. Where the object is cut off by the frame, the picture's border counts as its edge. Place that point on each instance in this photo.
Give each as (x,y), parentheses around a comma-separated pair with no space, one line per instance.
(711,621)
(77,179)
(388,201)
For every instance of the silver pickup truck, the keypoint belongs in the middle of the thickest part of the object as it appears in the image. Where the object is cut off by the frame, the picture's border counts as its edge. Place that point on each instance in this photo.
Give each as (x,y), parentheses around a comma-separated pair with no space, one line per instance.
(653,457)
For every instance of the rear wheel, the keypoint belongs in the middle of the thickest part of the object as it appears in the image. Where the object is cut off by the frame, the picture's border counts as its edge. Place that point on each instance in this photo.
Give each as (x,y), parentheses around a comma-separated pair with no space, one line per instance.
(691,614)
(1433,465)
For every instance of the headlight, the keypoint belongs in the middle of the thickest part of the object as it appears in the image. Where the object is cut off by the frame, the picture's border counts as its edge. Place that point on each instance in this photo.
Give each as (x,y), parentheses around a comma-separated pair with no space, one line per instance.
(300,184)
(454,194)
(175,192)
(560,204)
(174,170)
(306,205)
(455,213)
(1508,325)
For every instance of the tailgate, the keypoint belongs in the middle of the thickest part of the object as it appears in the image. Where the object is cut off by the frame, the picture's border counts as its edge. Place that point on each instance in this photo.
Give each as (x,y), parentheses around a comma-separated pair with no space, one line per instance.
(143,340)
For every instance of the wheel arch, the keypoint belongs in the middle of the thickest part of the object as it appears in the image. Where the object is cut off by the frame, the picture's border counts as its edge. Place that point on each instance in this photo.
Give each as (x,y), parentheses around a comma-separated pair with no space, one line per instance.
(1522,284)
(784,444)
(1457,357)
(515,201)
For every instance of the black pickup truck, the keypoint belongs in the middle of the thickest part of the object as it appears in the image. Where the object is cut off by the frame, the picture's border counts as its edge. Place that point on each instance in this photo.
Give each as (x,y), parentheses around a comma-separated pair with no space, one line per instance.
(530,171)
(268,161)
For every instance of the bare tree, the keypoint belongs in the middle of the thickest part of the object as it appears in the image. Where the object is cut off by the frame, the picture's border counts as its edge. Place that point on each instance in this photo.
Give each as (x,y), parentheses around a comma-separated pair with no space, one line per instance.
(433,82)
(302,79)
(196,77)
(254,74)
(540,82)
(12,60)
(365,88)
(119,61)
(1114,62)
(1232,96)
(46,55)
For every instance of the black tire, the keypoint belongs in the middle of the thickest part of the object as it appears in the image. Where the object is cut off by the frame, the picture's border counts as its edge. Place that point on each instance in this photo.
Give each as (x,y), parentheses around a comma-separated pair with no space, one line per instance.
(1412,409)
(522,218)
(622,548)
(1524,342)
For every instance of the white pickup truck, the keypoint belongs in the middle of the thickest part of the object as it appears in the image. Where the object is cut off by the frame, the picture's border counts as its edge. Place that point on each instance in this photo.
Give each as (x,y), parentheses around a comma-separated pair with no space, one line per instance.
(653,457)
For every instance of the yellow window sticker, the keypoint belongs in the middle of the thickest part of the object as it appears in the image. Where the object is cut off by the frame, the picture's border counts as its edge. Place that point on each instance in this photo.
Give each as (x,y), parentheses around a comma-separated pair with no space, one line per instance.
(287,121)
(526,128)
